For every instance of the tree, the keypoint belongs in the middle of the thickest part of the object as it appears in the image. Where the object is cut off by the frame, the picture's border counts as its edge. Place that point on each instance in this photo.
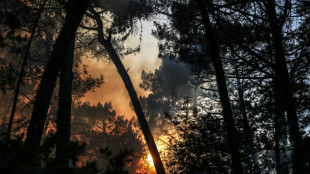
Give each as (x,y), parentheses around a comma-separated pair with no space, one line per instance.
(221,83)
(248,134)
(106,42)
(283,85)
(21,73)
(99,127)
(277,18)
(64,110)
(211,47)
(74,14)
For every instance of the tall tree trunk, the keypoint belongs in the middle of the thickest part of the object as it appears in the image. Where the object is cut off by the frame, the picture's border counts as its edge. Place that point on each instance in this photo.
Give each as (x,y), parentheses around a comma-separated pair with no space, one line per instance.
(282,80)
(249,140)
(231,132)
(280,137)
(74,15)
(22,70)
(64,110)
(132,93)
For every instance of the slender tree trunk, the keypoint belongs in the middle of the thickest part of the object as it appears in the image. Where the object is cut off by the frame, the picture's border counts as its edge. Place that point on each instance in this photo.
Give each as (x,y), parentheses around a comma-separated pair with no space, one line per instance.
(74,15)
(282,80)
(137,107)
(245,123)
(231,132)
(277,144)
(132,93)
(280,137)
(64,110)
(278,117)
(22,70)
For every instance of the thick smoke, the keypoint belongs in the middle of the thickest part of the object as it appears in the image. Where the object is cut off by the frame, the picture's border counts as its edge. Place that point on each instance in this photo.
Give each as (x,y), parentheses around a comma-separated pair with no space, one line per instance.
(169,84)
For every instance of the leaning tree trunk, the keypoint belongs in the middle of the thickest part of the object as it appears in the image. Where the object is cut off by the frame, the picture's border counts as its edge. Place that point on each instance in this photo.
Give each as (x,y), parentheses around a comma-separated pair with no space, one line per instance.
(283,82)
(74,15)
(64,110)
(137,107)
(132,93)
(22,70)
(231,132)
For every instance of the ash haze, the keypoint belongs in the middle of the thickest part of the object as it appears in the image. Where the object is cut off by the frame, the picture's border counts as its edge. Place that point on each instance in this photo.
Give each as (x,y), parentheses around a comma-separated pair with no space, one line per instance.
(145,86)
(114,89)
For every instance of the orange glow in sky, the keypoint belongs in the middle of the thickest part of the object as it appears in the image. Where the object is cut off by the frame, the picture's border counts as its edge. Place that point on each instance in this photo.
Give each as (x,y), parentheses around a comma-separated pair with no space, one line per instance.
(113,88)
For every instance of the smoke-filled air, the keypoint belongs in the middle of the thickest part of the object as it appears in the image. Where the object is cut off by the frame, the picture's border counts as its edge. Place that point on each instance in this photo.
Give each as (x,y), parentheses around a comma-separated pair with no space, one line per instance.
(154,87)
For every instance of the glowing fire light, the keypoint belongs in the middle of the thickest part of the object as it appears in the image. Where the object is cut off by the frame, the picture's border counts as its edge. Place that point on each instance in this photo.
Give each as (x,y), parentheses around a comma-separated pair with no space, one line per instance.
(150,160)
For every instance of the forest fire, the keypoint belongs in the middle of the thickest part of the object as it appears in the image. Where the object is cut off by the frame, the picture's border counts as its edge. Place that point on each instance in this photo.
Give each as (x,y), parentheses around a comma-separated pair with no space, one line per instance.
(97,86)
(150,160)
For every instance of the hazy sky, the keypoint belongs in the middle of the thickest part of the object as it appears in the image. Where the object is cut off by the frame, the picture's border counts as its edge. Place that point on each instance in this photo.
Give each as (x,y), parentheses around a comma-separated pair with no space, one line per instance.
(113,89)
